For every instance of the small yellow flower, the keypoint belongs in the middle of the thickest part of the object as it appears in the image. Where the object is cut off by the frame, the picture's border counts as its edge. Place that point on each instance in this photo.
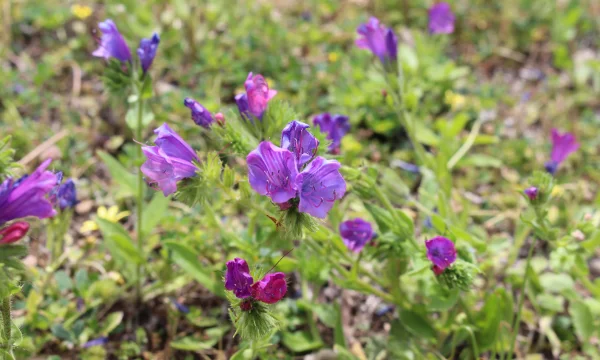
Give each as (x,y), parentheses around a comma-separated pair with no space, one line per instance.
(269,82)
(111,214)
(332,57)
(88,226)
(557,191)
(81,11)
(454,100)
(116,277)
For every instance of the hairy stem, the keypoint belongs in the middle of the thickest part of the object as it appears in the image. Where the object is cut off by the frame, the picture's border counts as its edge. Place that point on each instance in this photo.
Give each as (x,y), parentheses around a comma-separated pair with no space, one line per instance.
(6,323)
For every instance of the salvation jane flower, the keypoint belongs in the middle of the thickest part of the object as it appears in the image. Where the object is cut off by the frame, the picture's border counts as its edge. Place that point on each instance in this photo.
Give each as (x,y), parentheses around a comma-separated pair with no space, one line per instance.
(63,195)
(14,232)
(169,161)
(296,138)
(562,146)
(336,126)
(381,41)
(257,96)
(112,43)
(356,234)
(200,115)
(319,185)
(531,192)
(270,289)
(27,196)
(441,19)
(441,252)
(147,51)
(272,172)
(238,278)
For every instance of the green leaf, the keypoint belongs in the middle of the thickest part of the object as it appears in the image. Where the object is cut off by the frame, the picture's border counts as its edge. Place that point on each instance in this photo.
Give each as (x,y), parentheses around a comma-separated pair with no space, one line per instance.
(408,58)
(300,342)
(119,243)
(60,332)
(582,319)
(425,135)
(195,343)
(417,324)
(63,280)
(556,283)
(154,212)
(111,322)
(119,174)
(480,160)
(187,259)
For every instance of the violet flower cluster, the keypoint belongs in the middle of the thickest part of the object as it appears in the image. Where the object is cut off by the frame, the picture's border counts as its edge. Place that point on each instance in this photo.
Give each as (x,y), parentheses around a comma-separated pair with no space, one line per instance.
(269,290)
(253,103)
(441,19)
(563,145)
(441,252)
(356,234)
(113,45)
(335,126)
(378,39)
(291,175)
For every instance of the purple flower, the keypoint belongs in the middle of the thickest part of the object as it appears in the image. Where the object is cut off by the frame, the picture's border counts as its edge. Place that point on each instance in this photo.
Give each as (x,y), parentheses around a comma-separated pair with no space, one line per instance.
(319,185)
(101,341)
(272,172)
(169,161)
(112,43)
(27,196)
(562,146)
(200,115)
(147,51)
(441,252)
(356,234)
(237,278)
(63,195)
(257,96)
(531,192)
(296,138)
(381,41)
(270,289)
(14,232)
(441,19)
(336,126)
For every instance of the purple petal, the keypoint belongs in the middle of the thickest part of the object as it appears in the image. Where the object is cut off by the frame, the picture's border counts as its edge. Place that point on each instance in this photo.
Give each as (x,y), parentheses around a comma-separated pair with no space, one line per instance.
(296,138)
(241,100)
(441,19)
(258,94)
(380,41)
(563,145)
(112,43)
(200,115)
(320,184)
(356,234)
(270,289)
(237,278)
(147,51)
(272,172)
(335,126)
(441,252)
(173,145)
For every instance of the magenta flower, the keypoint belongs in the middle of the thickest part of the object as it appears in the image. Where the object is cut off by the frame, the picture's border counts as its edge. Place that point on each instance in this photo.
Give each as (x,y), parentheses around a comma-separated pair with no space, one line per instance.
(441,252)
(112,43)
(147,51)
(356,234)
(270,289)
(27,196)
(336,126)
(200,115)
(296,138)
(531,192)
(14,232)
(441,19)
(169,161)
(381,41)
(272,172)
(238,278)
(562,146)
(257,96)
(319,185)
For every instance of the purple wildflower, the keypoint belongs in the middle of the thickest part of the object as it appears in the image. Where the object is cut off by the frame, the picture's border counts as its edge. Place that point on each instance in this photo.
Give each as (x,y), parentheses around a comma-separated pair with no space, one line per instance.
(14,232)
(356,234)
(101,341)
(381,41)
(272,172)
(27,196)
(169,161)
(336,126)
(238,278)
(441,19)
(531,192)
(562,146)
(257,96)
(63,195)
(296,138)
(147,51)
(319,185)
(241,100)
(200,115)
(270,289)
(112,43)
(441,252)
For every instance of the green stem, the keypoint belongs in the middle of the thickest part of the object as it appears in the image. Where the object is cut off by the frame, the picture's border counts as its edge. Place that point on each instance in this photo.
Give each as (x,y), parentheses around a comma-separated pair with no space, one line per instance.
(314,331)
(392,210)
(140,198)
(6,323)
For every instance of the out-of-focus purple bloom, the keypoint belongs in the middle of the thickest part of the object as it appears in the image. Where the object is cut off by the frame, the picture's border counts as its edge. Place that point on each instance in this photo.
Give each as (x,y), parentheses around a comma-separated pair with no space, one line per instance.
(441,252)
(406,166)
(296,138)
(336,126)
(356,234)
(270,289)
(112,43)
(319,185)
(200,115)
(169,161)
(147,51)
(441,19)
(272,171)
(562,146)
(27,196)
(381,41)
(531,192)
(101,341)
(179,306)
(255,101)
(238,278)
(14,232)
(63,195)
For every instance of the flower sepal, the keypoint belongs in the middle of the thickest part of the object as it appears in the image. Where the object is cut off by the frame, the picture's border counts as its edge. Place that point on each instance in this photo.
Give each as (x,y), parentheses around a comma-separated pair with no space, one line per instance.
(459,275)
(117,77)
(294,223)
(253,320)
